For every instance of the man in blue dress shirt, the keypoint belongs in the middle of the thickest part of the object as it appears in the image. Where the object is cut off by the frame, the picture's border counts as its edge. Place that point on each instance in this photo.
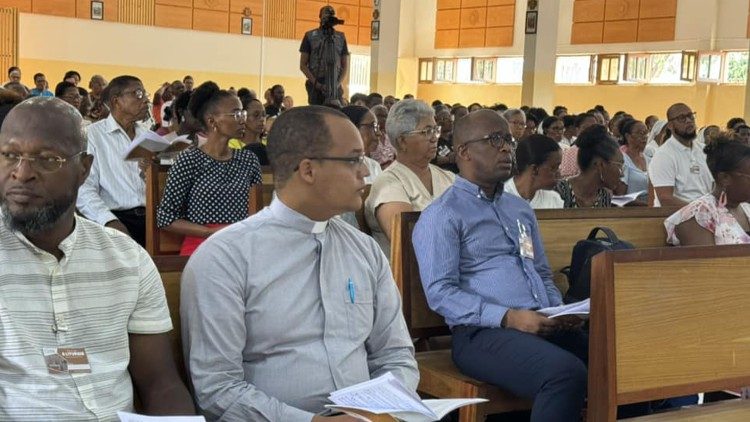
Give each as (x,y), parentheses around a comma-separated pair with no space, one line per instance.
(484,269)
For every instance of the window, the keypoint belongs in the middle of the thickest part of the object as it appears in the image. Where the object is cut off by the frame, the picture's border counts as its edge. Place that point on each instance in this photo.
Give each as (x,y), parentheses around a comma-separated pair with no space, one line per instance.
(736,67)
(509,70)
(573,70)
(687,69)
(483,69)
(665,68)
(425,70)
(445,70)
(636,68)
(463,70)
(359,77)
(608,69)
(709,67)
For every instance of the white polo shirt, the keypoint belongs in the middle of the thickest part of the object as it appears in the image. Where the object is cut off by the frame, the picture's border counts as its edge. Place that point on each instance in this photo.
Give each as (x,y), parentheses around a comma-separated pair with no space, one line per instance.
(104,288)
(681,167)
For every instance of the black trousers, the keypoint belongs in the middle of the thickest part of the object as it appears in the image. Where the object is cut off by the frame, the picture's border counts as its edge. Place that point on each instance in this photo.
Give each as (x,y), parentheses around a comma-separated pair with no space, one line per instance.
(135,221)
(551,371)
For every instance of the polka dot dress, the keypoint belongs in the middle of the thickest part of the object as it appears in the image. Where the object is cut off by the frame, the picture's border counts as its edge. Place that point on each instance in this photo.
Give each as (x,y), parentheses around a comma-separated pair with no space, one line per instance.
(203,190)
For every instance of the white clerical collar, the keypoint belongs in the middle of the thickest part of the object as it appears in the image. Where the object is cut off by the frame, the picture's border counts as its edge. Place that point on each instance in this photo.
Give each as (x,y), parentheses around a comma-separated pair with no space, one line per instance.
(295,219)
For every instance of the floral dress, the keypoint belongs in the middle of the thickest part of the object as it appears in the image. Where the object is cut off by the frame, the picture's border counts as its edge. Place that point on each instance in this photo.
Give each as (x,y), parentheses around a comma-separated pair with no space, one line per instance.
(711,216)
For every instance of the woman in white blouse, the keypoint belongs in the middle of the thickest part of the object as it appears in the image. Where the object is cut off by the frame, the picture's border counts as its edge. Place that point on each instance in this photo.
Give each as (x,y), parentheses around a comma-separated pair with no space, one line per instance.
(538,159)
(635,133)
(411,183)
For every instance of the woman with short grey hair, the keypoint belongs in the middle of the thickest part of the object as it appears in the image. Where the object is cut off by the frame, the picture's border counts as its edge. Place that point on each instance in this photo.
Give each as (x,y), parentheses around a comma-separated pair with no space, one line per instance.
(411,183)
(516,121)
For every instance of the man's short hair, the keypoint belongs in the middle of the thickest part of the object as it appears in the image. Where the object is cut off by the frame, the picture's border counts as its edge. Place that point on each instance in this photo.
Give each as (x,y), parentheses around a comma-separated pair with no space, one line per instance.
(13,69)
(508,114)
(62,87)
(38,75)
(71,73)
(358,97)
(580,118)
(299,133)
(117,86)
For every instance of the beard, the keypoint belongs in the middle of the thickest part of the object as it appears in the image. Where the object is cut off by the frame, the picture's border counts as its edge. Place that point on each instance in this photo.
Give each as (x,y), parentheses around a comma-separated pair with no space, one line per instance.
(38,220)
(688,136)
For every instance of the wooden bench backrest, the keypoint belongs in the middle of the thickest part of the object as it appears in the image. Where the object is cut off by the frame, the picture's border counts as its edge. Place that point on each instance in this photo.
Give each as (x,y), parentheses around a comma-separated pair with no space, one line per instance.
(163,242)
(560,229)
(170,269)
(667,322)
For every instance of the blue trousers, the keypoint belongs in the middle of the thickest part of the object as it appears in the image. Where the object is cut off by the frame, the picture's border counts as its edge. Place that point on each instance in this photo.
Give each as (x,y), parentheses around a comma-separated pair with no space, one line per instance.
(551,370)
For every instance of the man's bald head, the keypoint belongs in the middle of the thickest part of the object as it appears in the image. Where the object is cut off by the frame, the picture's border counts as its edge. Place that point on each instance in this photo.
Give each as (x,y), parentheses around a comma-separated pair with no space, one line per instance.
(474,125)
(676,109)
(48,119)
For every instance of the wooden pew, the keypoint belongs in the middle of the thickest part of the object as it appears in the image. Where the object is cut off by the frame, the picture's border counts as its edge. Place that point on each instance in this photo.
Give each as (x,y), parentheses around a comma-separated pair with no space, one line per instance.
(562,229)
(170,268)
(163,242)
(438,377)
(669,322)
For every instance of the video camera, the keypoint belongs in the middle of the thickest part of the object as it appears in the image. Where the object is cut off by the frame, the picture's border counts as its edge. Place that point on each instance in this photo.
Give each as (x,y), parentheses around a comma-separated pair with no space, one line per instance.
(330,21)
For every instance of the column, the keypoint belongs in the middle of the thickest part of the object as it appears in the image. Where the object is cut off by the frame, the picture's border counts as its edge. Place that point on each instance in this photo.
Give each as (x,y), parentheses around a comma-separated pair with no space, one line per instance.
(384,51)
(539,53)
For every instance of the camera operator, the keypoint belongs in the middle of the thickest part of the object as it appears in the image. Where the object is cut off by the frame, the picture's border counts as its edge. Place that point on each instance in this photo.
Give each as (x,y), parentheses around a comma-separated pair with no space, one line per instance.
(324,60)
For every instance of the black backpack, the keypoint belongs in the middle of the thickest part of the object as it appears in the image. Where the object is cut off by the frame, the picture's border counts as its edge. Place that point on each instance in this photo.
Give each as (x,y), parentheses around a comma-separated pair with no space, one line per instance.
(579,272)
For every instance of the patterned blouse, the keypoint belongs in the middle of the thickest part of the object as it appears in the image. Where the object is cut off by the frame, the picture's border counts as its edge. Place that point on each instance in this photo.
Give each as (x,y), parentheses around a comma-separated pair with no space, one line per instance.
(565,189)
(712,217)
(203,190)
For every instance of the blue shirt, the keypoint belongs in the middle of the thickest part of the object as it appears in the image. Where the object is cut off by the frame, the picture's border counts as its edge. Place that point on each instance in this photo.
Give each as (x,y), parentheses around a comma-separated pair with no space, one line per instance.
(37,93)
(469,255)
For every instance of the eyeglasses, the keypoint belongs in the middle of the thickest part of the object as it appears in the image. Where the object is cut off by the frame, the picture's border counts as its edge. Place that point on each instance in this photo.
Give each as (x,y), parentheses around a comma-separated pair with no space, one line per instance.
(496,140)
(238,115)
(741,174)
(138,93)
(620,166)
(356,161)
(684,118)
(11,160)
(430,131)
(374,126)
(519,123)
(257,116)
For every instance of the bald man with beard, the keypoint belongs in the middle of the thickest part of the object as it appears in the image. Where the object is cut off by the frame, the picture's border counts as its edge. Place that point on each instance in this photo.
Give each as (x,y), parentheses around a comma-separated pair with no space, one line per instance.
(483,268)
(83,315)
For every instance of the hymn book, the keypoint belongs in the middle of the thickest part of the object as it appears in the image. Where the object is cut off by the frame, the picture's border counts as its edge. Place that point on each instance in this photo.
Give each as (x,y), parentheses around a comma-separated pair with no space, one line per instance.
(387,395)
(149,143)
(580,309)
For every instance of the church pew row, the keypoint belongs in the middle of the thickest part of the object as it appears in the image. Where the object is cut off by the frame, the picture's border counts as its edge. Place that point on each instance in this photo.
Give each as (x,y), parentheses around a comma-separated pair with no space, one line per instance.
(560,230)
(668,322)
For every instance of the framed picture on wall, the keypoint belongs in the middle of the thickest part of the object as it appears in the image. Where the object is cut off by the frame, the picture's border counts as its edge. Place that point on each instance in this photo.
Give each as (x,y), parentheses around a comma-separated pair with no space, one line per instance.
(247,26)
(531,20)
(375,30)
(97,10)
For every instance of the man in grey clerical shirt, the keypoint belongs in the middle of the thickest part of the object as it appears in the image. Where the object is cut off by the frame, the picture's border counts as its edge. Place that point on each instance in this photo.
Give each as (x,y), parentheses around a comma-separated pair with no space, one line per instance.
(291,304)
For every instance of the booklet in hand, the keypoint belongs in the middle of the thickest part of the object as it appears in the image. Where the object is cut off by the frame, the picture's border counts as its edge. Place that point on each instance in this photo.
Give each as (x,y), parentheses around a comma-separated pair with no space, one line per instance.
(580,309)
(387,395)
(149,143)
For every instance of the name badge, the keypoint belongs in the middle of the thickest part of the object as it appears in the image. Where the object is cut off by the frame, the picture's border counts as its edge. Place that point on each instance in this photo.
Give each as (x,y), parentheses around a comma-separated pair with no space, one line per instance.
(524,242)
(66,360)
(695,169)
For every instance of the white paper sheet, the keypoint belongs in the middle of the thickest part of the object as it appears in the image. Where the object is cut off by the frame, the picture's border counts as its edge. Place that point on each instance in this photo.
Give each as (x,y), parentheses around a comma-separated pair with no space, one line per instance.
(622,200)
(132,417)
(578,308)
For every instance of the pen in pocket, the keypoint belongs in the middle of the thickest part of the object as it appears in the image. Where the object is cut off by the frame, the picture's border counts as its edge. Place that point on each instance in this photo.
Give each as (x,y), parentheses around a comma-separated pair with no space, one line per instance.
(350,286)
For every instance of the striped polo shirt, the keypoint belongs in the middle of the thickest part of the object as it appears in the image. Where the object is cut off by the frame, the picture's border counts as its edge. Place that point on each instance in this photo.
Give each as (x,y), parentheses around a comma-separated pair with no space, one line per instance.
(103,288)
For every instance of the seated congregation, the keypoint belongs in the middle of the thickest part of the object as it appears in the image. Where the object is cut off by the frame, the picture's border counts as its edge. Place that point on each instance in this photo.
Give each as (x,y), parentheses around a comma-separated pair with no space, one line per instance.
(381,217)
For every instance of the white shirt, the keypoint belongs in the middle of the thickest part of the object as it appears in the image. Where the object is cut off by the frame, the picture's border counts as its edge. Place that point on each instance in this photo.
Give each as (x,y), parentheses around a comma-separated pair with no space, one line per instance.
(374,168)
(683,168)
(104,288)
(113,184)
(542,198)
(270,332)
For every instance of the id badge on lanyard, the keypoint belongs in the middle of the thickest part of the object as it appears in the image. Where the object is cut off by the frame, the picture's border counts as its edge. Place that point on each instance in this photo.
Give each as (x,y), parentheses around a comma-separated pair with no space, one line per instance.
(524,241)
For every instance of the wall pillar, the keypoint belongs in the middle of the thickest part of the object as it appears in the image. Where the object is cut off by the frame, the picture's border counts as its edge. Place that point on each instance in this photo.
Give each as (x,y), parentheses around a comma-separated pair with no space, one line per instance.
(539,54)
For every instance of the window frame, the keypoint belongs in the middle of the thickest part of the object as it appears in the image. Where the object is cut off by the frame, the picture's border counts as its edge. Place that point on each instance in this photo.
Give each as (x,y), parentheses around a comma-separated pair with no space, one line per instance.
(444,60)
(710,53)
(430,63)
(592,70)
(689,66)
(641,74)
(609,59)
(725,65)
(475,62)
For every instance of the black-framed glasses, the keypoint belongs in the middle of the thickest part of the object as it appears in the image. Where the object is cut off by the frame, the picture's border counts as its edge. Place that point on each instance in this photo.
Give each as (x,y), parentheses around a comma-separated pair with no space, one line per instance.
(496,140)
(50,164)
(684,118)
(137,93)
(356,161)
(429,131)
(238,115)
(374,126)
